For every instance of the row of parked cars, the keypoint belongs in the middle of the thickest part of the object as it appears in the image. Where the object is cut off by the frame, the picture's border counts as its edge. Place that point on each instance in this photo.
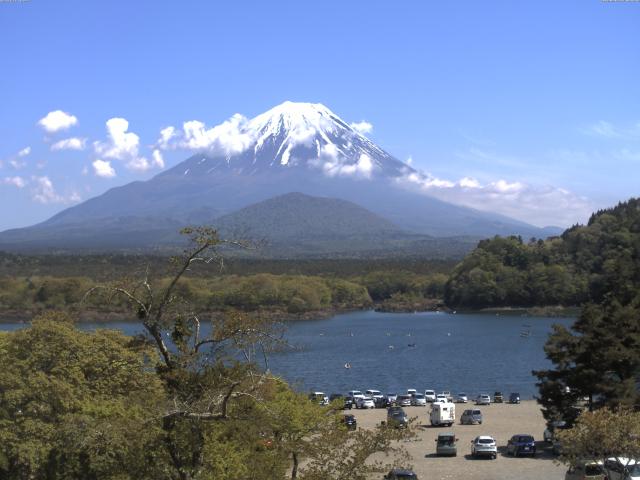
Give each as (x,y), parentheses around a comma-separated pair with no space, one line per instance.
(481,446)
(485,445)
(376,399)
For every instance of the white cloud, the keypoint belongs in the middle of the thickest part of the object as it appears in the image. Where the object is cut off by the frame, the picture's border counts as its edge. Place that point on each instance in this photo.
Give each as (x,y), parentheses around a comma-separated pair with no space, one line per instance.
(122,145)
(468,182)
(73,143)
(138,164)
(24,152)
(333,163)
(16,161)
(362,127)
(610,131)
(17,164)
(74,197)
(44,192)
(158,161)
(538,205)
(57,120)
(18,182)
(228,138)
(103,168)
(166,135)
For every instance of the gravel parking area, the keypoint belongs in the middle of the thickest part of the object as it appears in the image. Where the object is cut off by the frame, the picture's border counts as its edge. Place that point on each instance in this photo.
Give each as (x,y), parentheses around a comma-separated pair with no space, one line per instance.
(501,421)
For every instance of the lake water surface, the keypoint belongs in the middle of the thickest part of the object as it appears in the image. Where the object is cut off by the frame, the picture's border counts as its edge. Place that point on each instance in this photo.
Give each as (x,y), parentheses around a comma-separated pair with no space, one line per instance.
(473,353)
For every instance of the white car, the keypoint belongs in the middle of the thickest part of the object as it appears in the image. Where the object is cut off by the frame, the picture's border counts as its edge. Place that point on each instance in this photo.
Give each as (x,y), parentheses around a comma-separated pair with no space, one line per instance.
(373,394)
(447,394)
(430,395)
(483,399)
(418,400)
(462,398)
(411,391)
(484,446)
(354,395)
(440,398)
(365,402)
(319,397)
(620,468)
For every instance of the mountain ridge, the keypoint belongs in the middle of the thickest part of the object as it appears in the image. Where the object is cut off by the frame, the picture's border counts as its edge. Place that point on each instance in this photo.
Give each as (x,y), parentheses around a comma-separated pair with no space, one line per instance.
(292,147)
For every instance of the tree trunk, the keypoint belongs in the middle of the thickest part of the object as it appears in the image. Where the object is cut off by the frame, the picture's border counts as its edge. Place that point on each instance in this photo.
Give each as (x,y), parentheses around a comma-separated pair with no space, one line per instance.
(294,469)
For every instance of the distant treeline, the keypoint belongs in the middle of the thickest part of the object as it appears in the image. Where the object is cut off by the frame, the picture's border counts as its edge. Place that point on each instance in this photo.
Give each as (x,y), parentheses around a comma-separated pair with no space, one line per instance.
(583,264)
(113,266)
(294,294)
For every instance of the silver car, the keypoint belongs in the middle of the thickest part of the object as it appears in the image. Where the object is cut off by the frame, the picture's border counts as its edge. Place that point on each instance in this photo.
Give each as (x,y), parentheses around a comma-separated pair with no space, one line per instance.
(365,402)
(462,398)
(471,417)
(418,400)
(484,446)
(483,399)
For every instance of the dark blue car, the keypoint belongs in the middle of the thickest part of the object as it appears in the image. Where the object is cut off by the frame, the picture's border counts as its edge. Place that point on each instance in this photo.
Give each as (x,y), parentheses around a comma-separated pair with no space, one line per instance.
(521,444)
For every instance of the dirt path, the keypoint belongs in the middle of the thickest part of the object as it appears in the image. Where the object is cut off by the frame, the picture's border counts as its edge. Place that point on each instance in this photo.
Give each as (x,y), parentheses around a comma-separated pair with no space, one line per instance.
(501,421)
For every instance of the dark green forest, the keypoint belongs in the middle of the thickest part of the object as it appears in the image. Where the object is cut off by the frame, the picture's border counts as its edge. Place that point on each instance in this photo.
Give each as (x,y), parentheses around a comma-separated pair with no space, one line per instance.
(295,294)
(585,264)
(596,362)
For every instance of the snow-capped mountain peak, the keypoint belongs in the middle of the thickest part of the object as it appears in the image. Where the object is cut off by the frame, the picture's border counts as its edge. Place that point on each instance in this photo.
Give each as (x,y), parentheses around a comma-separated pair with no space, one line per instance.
(292,116)
(290,135)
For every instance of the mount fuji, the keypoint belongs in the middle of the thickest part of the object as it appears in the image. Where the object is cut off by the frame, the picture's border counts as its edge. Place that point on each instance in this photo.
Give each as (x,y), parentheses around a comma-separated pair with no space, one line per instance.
(294,147)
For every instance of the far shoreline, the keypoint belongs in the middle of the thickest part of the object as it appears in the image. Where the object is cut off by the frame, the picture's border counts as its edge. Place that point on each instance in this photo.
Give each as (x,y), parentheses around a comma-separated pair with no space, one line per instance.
(431,305)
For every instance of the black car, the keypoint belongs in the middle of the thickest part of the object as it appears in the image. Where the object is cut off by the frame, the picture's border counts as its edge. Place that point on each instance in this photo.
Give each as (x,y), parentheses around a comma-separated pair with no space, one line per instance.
(380,402)
(521,444)
(400,474)
(350,422)
(514,397)
(396,417)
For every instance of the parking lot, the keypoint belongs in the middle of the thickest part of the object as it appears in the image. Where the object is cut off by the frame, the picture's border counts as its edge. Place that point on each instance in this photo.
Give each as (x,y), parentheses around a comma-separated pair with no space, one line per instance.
(501,421)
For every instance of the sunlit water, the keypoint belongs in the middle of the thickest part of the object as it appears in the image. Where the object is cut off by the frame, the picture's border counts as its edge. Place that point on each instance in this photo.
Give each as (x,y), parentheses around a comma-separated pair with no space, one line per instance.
(471,353)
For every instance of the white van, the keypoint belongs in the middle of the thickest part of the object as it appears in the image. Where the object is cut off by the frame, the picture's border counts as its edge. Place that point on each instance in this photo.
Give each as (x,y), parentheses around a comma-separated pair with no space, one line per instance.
(443,414)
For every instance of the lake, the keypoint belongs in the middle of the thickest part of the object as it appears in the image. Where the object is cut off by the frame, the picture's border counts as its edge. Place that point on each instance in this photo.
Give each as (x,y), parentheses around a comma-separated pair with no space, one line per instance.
(471,353)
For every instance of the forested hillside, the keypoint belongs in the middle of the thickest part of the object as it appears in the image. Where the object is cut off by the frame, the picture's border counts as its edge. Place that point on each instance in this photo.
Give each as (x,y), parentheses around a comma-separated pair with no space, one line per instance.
(24,296)
(580,265)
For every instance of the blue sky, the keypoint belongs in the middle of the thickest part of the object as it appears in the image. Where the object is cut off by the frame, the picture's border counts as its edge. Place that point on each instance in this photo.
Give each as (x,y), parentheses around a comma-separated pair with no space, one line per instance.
(542,96)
